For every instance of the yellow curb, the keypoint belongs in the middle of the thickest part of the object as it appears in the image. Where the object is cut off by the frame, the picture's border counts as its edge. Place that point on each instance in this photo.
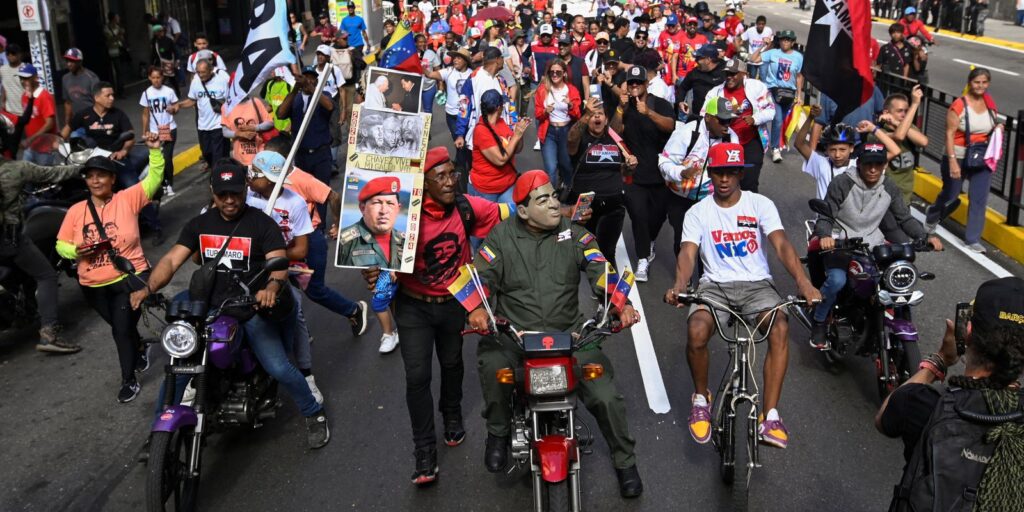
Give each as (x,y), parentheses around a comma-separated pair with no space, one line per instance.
(186,159)
(1008,239)
(966,37)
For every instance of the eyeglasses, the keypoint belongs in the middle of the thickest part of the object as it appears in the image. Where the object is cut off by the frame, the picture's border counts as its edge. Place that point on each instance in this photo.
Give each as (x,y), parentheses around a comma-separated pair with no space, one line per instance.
(440,179)
(555,72)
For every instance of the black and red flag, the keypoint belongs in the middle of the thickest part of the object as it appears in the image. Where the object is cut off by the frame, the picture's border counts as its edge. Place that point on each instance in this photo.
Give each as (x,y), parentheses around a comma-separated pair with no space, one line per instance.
(838,52)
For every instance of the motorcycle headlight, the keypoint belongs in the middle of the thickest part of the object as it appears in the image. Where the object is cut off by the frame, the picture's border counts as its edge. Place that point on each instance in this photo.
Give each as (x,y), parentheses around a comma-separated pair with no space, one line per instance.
(179,339)
(900,277)
(549,380)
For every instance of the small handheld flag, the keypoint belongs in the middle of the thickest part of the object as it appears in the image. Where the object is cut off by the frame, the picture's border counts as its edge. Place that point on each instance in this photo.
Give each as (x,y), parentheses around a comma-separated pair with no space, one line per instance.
(622,288)
(465,289)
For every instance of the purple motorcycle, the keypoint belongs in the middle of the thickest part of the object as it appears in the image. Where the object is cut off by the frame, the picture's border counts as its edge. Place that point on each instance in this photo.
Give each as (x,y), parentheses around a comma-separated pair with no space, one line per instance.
(231,390)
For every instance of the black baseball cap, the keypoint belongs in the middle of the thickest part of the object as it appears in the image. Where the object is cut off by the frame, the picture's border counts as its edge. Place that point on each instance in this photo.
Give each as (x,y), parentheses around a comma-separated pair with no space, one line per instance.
(100,162)
(228,176)
(873,153)
(636,74)
(999,302)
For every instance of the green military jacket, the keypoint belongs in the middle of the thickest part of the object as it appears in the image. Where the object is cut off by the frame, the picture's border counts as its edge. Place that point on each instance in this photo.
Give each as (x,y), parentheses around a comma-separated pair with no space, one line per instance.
(359,248)
(534,279)
(15,174)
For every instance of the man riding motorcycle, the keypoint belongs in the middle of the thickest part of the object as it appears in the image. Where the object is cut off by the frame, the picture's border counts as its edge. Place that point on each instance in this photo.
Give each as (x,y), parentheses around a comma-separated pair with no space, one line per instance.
(531,265)
(860,200)
(19,251)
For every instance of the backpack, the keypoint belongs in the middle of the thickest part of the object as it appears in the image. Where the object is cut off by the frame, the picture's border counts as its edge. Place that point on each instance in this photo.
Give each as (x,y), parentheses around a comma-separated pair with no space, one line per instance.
(948,466)
(343,59)
(466,213)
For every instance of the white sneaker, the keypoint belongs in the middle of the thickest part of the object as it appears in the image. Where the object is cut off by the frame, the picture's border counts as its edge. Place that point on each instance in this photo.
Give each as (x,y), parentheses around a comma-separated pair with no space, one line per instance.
(651,257)
(641,270)
(536,147)
(315,390)
(388,342)
(168,191)
(189,395)
(978,248)
(777,155)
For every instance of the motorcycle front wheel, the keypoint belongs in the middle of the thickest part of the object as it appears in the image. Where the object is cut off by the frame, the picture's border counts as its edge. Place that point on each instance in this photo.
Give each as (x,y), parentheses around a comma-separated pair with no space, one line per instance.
(911,358)
(556,496)
(168,473)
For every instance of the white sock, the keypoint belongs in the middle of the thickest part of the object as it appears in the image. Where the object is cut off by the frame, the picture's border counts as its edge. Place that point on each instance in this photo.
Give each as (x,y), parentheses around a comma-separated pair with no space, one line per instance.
(700,400)
(773,415)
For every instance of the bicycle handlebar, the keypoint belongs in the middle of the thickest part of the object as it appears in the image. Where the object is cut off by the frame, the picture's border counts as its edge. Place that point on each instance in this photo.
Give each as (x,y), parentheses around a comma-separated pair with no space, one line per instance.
(698,298)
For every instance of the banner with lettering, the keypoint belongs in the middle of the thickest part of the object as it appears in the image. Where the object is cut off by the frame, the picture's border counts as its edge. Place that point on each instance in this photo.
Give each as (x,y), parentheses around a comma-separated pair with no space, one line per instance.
(266,48)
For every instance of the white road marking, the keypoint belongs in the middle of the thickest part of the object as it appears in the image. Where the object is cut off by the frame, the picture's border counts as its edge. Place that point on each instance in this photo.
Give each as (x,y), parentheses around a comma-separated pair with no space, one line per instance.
(992,68)
(805,22)
(654,385)
(955,241)
(955,38)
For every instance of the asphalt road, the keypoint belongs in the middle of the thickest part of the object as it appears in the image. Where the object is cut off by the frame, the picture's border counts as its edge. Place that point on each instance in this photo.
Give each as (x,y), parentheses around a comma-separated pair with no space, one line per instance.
(69,446)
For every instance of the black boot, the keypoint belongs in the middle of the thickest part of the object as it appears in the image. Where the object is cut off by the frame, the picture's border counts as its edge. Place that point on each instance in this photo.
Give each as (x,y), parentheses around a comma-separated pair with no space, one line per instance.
(426,466)
(496,453)
(630,485)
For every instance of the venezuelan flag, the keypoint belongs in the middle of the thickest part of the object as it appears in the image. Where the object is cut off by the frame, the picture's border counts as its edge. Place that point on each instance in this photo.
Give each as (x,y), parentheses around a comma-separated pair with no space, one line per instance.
(608,284)
(400,53)
(487,253)
(593,255)
(505,210)
(465,290)
(622,287)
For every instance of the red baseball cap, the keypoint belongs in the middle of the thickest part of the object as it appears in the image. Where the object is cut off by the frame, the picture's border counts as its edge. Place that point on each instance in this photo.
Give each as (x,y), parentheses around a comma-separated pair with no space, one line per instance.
(528,182)
(435,157)
(726,155)
(384,185)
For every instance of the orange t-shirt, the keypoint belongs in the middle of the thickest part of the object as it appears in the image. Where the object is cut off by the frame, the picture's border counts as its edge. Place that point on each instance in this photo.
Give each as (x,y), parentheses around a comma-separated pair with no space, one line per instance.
(247,113)
(311,189)
(120,218)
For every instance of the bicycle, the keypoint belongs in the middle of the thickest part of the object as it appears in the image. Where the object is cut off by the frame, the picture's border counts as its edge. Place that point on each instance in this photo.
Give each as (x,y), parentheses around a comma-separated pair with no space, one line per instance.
(735,399)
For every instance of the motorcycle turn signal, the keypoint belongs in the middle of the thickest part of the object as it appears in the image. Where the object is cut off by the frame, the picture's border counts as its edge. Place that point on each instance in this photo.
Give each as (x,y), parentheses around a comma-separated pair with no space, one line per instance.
(506,376)
(593,371)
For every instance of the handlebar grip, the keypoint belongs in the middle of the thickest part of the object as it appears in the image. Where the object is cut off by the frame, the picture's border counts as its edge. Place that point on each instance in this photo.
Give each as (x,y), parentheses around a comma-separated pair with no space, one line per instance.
(481,332)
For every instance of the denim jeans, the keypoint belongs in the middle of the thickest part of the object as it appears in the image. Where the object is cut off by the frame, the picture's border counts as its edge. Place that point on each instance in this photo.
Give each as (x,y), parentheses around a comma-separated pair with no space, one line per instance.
(555,151)
(780,115)
(44,159)
(977,193)
(427,99)
(317,290)
(503,197)
(835,280)
(463,157)
(302,347)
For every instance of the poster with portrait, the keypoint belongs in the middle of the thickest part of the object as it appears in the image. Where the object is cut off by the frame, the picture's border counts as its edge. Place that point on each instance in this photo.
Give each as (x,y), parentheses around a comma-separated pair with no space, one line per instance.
(385,140)
(390,89)
(378,207)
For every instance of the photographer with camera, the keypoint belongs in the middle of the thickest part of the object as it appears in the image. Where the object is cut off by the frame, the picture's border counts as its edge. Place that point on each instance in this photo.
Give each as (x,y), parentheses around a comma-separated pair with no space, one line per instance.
(969,435)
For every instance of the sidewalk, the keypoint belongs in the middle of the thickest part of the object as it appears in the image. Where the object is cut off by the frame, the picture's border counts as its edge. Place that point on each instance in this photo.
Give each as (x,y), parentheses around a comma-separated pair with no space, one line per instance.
(997,32)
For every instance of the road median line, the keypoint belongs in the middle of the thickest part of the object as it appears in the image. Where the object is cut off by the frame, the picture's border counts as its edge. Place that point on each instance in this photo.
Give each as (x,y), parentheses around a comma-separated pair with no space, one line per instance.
(992,41)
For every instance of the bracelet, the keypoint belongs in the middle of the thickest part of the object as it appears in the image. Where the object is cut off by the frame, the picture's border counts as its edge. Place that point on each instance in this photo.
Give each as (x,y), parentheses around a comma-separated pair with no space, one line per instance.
(939,363)
(930,366)
(619,110)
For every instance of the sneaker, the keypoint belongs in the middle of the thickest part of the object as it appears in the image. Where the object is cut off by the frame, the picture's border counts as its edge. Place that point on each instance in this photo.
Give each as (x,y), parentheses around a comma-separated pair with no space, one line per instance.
(388,342)
(454,432)
(317,433)
(641,270)
(536,147)
(129,390)
(700,421)
(315,390)
(650,258)
(51,341)
(358,318)
(142,361)
(168,191)
(929,227)
(977,247)
(777,156)
(819,335)
(426,466)
(773,433)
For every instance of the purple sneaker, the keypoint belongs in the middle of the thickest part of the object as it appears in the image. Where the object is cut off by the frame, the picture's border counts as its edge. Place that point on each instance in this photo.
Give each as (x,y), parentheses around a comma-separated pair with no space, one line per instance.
(774,433)
(700,422)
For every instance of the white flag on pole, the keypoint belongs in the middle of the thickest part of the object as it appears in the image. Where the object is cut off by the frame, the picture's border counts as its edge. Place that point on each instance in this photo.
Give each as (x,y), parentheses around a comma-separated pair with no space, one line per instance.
(266,48)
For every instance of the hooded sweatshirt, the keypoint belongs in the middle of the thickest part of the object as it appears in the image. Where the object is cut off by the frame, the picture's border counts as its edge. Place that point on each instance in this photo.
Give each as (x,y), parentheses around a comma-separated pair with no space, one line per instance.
(861,209)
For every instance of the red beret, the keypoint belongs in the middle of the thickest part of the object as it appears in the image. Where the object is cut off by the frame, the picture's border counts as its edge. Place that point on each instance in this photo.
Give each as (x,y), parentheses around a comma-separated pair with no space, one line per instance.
(528,182)
(436,156)
(378,186)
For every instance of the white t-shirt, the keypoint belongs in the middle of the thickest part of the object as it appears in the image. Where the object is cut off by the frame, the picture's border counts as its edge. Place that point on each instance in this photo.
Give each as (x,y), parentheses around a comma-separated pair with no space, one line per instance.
(290,213)
(453,82)
(190,64)
(334,82)
(218,88)
(427,8)
(429,60)
(158,100)
(732,240)
(482,82)
(559,98)
(659,88)
(820,167)
(756,40)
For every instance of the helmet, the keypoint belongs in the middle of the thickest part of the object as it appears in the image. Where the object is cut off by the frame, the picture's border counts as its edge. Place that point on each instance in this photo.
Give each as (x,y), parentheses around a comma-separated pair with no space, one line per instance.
(839,133)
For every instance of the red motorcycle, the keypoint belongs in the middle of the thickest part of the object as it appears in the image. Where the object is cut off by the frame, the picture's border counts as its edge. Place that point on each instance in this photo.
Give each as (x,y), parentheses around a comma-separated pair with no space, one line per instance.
(546,435)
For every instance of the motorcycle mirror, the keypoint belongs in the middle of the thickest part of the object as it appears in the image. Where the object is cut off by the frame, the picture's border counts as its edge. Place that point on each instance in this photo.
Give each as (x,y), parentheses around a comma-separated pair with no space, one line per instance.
(926,276)
(124,265)
(949,208)
(820,207)
(276,264)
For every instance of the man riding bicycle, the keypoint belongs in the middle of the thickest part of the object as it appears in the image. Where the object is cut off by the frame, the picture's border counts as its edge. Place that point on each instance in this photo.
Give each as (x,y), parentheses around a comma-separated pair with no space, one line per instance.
(728,228)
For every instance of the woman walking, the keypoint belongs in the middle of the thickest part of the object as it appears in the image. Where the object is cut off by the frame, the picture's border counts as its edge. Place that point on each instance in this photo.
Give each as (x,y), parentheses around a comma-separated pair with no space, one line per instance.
(159,104)
(556,107)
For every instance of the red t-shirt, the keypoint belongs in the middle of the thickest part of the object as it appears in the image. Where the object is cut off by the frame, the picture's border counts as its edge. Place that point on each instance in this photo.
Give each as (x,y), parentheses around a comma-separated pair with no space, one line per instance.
(744,131)
(540,5)
(458,23)
(384,241)
(688,45)
(485,176)
(416,22)
(42,108)
(443,246)
(580,46)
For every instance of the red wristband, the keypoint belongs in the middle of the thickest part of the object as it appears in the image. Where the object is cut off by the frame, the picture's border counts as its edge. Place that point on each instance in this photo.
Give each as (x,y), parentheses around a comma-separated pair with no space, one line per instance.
(928,365)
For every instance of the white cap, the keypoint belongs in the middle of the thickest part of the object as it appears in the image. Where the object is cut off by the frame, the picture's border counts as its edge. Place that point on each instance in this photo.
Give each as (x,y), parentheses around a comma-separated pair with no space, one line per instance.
(546,29)
(324,49)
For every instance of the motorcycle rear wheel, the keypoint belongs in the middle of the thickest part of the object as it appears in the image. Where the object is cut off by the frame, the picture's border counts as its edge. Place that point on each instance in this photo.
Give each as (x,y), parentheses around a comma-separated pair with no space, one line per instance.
(167,472)
(556,496)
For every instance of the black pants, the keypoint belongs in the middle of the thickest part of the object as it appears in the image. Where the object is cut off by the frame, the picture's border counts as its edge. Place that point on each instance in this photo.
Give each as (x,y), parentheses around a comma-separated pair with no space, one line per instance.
(31,261)
(213,145)
(424,326)
(113,304)
(647,207)
(607,216)
(677,208)
(753,155)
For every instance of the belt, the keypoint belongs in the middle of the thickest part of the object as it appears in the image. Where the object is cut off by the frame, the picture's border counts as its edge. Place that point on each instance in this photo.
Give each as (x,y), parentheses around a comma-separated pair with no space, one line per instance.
(429,299)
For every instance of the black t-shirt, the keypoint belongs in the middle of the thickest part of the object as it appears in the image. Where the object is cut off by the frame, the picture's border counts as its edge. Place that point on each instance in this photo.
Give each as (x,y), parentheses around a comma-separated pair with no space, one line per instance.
(608,96)
(910,407)
(525,12)
(700,82)
(892,58)
(645,140)
(255,234)
(624,48)
(103,129)
(598,166)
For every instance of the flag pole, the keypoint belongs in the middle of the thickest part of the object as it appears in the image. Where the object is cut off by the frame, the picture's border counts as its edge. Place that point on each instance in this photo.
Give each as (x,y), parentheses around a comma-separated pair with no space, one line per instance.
(314,100)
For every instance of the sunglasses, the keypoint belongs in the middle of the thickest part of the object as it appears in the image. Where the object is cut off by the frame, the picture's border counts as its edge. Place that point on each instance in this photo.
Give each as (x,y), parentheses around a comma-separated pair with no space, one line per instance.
(555,72)
(602,42)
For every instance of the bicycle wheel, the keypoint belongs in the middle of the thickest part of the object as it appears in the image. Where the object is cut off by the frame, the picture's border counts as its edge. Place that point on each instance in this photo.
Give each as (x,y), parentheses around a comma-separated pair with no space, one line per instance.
(722,430)
(743,458)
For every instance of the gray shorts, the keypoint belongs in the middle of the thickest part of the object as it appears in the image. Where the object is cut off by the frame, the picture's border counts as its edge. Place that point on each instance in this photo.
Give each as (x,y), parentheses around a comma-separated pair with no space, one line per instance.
(745,297)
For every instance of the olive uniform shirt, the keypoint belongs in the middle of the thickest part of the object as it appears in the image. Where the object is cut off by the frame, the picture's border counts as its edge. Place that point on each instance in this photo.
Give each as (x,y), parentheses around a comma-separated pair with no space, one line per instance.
(359,248)
(15,174)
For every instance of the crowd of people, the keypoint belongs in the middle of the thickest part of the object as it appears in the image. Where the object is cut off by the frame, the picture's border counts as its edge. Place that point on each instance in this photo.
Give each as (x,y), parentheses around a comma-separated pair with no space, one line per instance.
(660,112)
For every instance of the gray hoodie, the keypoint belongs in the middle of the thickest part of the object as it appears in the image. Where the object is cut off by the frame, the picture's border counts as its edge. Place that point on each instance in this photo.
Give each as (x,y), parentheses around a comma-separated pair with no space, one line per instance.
(861,209)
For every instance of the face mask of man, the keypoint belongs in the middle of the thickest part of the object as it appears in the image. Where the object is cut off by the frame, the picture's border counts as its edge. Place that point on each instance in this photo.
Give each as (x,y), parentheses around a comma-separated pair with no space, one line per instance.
(541,212)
